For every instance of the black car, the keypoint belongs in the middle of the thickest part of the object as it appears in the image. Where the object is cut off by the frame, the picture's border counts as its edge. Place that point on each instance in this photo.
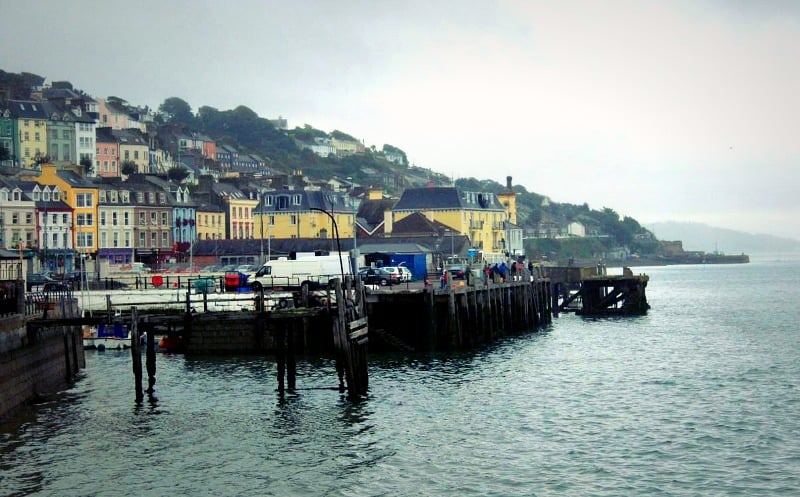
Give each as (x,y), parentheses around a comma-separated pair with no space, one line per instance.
(56,287)
(37,279)
(377,276)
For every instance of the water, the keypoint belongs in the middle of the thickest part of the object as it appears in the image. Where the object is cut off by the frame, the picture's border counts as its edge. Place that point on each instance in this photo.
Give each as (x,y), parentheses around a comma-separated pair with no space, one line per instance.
(699,397)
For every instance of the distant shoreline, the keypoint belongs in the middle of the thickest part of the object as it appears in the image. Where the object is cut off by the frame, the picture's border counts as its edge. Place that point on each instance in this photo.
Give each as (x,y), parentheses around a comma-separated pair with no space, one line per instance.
(663,261)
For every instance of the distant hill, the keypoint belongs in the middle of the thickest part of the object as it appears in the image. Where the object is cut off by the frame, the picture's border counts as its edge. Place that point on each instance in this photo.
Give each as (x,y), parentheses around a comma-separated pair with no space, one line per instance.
(698,236)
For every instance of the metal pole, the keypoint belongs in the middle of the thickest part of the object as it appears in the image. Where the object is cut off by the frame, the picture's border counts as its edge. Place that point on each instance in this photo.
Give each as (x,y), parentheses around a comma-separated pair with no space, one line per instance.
(336,232)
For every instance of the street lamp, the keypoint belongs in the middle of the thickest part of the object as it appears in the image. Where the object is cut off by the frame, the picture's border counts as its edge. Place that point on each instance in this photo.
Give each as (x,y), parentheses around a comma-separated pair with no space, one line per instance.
(261,215)
(336,234)
(354,204)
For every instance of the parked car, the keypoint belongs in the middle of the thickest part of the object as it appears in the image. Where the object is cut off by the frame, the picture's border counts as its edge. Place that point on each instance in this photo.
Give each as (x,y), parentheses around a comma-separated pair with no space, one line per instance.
(377,276)
(402,273)
(56,287)
(37,280)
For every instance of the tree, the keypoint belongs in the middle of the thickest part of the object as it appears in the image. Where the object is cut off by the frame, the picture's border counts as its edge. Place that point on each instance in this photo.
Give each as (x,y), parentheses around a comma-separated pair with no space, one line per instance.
(128,167)
(177,174)
(177,111)
(86,162)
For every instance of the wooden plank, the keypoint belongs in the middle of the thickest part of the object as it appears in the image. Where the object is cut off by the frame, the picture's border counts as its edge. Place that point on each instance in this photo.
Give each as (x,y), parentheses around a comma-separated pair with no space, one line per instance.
(355,335)
(357,323)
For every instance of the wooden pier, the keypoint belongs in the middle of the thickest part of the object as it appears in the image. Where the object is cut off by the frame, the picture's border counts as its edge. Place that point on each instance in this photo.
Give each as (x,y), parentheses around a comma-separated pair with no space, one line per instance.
(589,291)
(346,318)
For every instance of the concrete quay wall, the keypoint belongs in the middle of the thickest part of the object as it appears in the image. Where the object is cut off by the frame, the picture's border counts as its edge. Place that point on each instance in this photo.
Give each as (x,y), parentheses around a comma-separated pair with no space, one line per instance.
(36,362)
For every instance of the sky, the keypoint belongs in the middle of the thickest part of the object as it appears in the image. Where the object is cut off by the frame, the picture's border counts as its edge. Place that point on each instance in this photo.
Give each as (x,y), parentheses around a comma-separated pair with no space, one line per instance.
(661,111)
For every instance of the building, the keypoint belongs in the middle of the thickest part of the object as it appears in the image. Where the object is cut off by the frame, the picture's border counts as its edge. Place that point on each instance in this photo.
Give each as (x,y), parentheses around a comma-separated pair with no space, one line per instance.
(304,214)
(82,196)
(29,127)
(479,215)
(116,225)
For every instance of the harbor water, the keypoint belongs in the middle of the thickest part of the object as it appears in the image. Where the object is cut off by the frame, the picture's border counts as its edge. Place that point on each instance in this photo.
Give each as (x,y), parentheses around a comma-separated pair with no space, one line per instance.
(700,397)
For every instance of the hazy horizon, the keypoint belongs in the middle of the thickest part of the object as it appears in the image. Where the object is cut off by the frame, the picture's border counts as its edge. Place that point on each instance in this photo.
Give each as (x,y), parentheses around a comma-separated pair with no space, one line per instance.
(681,111)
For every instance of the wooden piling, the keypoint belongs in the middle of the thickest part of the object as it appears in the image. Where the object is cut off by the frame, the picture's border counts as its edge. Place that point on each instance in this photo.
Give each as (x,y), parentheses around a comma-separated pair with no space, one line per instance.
(136,354)
(150,355)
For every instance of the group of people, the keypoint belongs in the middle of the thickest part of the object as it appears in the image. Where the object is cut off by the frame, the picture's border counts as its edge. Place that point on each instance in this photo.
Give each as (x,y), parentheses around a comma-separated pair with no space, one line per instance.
(496,273)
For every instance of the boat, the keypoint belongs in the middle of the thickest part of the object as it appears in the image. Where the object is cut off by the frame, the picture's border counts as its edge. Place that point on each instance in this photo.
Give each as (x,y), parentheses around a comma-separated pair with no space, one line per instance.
(171,343)
(103,337)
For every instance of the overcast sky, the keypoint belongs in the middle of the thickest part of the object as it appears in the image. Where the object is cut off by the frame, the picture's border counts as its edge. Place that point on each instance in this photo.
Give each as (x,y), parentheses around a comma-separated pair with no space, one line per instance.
(677,110)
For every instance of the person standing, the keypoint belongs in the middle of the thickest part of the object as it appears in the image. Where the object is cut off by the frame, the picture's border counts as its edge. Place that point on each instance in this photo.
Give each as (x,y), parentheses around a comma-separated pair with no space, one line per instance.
(444,279)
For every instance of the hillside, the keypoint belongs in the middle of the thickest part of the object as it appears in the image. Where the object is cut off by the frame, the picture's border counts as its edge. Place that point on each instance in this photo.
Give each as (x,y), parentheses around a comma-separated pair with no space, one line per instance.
(698,236)
(287,150)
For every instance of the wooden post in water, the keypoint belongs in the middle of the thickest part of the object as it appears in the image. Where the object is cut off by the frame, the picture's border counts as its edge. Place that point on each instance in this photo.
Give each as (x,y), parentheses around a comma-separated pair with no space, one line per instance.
(151,358)
(136,354)
(280,353)
(291,361)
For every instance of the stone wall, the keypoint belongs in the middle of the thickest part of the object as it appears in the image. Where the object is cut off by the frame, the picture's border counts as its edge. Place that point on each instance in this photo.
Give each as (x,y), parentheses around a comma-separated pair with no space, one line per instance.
(35,362)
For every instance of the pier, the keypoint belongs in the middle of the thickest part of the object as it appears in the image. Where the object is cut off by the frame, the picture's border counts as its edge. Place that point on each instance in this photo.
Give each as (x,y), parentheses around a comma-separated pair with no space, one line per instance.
(342,320)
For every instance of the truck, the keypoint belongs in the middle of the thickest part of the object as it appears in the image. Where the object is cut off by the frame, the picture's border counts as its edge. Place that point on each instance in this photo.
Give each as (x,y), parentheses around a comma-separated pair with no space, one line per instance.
(311,270)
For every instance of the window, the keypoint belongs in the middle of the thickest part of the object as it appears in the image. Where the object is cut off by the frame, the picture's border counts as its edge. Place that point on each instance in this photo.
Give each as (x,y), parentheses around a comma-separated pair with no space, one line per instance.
(154,239)
(135,154)
(84,200)
(64,219)
(293,220)
(114,197)
(142,219)
(127,239)
(54,239)
(28,218)
(127,154)
(115,237)
(162,198)
(126,218)
(103,221)
(54,219)
(143,239)
(268,200)
(297,199)
(114,218)
(85,219)
(15,218)
(151,197)
(85,240)
(37,137)
(27,136)
(102,196)
(56,195)
(103,239)
(154,218)
(164,239)
(164,219)
(271,220)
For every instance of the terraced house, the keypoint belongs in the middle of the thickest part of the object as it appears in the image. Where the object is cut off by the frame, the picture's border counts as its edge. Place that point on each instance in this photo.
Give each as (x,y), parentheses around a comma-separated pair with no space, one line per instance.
(29,126)
(82,196)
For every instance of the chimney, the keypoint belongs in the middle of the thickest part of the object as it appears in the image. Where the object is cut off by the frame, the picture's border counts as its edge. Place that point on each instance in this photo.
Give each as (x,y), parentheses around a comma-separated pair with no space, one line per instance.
(508,182)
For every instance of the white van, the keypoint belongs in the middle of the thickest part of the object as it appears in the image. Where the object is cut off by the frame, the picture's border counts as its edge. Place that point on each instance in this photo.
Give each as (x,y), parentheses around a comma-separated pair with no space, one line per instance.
(293,273)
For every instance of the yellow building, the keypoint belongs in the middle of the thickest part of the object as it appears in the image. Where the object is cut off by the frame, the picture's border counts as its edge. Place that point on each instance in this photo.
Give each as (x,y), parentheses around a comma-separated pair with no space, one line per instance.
(83,197)
(299,214)
(210,222)
(480,216)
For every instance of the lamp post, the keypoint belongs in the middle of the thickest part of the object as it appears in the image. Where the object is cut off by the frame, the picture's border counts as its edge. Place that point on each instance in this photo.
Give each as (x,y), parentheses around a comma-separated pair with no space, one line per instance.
(336,234)
(261,215)
(354,205)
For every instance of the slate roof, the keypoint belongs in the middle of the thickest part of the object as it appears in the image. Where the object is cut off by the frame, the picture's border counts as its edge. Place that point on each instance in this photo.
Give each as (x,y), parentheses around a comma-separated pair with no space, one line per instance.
(75,180)
(26,109)
(445,198)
